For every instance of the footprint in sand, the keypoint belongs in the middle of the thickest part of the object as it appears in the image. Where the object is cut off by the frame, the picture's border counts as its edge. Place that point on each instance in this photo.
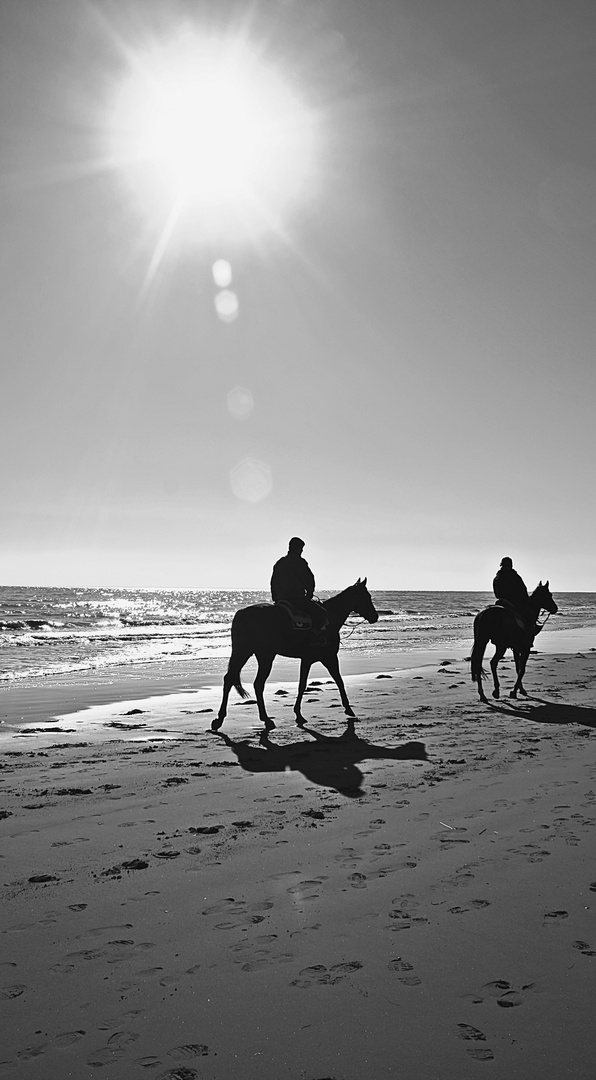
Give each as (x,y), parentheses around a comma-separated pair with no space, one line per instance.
(472,1034)
(123,1038)
(67,1038)
(182,1073)
(105,1055)
(258,962)
(403,967)
(322,976)
(584,948)
(188,1051)
(554,917)
(14,991)
(30,1052)
(303,891)
(506,995)
(113,952)
(117,1023)
(230,906)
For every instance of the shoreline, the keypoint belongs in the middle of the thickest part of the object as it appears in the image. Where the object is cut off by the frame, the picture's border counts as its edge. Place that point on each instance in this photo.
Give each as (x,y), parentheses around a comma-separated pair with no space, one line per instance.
(41,700)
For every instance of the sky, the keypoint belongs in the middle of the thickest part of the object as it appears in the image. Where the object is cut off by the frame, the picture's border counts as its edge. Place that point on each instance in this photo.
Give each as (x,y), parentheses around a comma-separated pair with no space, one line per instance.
(382,342)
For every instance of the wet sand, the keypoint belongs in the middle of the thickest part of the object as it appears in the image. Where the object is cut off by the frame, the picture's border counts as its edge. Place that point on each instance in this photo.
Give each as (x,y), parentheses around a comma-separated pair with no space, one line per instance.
(408,895)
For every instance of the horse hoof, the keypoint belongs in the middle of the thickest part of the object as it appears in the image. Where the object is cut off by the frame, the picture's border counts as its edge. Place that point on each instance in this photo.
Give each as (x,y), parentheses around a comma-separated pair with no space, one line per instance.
(300,721)
(351,713)
(495,693)
(216,724)
(269,725)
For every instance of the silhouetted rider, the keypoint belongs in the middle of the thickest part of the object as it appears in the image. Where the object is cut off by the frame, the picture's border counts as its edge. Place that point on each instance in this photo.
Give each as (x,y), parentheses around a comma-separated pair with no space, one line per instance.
(293,580)
(509,587)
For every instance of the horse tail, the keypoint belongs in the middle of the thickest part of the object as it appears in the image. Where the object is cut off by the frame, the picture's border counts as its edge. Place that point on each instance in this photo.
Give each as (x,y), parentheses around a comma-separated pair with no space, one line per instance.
(480,643)
(233,677)
(239,687)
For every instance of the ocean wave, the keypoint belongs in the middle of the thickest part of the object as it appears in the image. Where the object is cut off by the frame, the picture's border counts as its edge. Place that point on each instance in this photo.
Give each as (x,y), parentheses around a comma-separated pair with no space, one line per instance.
(54,631)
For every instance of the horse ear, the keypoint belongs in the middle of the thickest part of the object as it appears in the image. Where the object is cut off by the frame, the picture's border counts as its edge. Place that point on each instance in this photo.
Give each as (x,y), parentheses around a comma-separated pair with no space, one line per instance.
(364,582)
(547,585)
(540,583)
(358,582)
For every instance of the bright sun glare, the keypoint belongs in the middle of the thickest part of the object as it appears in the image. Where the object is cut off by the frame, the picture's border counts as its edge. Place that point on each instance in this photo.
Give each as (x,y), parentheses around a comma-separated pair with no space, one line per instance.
(211,138)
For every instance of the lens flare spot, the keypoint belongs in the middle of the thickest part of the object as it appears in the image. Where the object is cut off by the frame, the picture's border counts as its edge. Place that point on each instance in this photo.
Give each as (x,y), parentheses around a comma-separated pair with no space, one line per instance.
(240,402)
(222,273)
(226,305)
(251,480)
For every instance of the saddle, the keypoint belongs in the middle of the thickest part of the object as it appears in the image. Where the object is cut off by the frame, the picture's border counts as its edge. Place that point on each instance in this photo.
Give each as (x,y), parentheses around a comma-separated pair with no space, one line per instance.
(300,620)
(524,626)
(304,624)
(511,610)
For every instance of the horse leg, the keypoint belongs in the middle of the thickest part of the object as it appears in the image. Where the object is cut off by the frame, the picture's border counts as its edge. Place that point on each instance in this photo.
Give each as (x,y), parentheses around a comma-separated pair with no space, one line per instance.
(480,643)
(231,679)
(265,664)
(305,666)
(499,654)
(521,659)
(332,665)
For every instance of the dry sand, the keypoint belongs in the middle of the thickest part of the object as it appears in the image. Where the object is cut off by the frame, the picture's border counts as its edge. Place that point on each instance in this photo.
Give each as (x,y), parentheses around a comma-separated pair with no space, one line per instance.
(408,896)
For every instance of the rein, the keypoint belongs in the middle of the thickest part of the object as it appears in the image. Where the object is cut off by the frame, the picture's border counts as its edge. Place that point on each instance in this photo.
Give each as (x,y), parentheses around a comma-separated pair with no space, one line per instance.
(341,629)
(345,636)
(548,615)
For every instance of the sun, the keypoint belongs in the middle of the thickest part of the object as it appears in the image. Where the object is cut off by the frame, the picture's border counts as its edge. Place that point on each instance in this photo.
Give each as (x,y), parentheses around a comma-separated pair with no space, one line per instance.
(210,136)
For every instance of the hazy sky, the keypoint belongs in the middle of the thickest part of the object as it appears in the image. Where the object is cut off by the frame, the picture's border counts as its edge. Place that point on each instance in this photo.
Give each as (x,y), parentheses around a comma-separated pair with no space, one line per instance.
(409,383)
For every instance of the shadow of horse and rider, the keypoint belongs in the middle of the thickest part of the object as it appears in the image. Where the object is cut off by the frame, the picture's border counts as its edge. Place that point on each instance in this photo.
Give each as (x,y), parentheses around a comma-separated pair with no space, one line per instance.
(548,712)
(330,761)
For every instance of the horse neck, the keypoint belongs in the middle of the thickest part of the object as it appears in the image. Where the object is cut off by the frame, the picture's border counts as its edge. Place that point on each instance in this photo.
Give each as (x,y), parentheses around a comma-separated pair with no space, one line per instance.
(535,602)
(340,606)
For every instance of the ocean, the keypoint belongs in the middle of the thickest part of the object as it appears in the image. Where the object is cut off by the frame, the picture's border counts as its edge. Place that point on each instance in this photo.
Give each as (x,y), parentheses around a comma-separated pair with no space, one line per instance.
(48,632)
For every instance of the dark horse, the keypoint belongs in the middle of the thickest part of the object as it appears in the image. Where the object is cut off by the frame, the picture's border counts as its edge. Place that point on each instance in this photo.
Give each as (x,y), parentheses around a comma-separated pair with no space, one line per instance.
(265,631)
(498,624)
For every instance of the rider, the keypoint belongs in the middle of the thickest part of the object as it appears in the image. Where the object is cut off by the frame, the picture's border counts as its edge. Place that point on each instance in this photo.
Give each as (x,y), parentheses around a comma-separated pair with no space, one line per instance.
(293,580)
(510,590)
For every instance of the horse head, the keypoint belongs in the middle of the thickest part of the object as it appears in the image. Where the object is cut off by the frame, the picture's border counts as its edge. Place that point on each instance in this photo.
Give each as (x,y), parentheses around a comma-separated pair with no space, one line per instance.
(543,595)
(362,601)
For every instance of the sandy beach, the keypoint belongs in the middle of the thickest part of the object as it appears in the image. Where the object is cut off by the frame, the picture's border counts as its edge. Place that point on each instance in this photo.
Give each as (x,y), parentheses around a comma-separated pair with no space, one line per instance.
(408,895)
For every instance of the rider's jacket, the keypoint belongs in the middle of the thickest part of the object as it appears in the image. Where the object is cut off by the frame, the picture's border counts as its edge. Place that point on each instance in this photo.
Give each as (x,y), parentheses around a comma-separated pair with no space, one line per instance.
(292,579)
(508,585)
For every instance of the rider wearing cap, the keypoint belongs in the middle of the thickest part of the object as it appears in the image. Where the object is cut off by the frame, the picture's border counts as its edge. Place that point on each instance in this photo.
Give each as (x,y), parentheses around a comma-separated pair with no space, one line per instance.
(293,580)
